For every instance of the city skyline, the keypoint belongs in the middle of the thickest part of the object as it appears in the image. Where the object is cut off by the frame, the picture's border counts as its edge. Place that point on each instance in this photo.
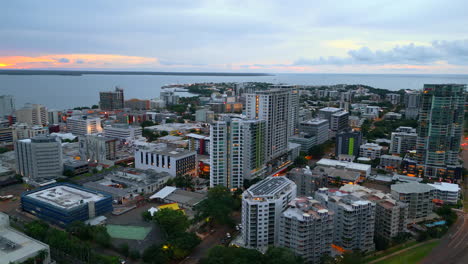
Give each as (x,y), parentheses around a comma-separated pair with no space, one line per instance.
(233,36)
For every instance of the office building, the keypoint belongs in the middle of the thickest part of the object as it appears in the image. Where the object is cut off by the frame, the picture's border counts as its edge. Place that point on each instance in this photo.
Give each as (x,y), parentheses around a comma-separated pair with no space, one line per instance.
(161,158)
(32,114)
(137,104)
(82,125)
(412,102)
(348,143)
(237,151)
(354,219)
(54,116)
(204,115)
(390,215)
(274,107)
(394,99)
(112,100)
(440,130)
(304,140)
(123,132)
(371,112)
(6,135)
(98,149)
(16,247)
(39,157)
(7,105)
(339,121)
(168,97)
(262,206)
(370,150)
(63,203)
(306,182)
(448,193)
(306,228)
(403,140)
(317,128)
(327,112)
(23,130)
(418,196)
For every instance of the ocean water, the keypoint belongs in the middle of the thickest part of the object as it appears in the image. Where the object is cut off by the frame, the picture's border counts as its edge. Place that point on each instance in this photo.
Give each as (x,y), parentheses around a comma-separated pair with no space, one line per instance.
(61,92)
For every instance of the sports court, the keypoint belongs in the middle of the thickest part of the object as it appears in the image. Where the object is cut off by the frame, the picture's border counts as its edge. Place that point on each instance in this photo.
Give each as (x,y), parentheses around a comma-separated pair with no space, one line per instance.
(128,232)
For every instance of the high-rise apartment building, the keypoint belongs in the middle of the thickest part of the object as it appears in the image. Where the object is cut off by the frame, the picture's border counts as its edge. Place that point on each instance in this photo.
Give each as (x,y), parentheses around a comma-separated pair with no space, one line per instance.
(39,157)
(262,206)
(32,114)
(169,97)
(403,140)
(418,196)
(237,151)
(274,107)
(7,105)
(354,219)
(82,125)
(306,228)
(412,101)
(54,116)
(440,130)
(112,100)
(339,121)
(394,99)
(348,143)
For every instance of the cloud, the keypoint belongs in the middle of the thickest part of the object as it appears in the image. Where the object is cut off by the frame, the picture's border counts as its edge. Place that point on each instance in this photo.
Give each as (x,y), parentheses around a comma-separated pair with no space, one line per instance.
(76,61)
(452,52)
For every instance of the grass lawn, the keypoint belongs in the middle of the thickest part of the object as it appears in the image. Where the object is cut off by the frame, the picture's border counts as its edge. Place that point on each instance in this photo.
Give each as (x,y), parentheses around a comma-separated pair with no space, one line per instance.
(128,232)
(411,256)
(381,254)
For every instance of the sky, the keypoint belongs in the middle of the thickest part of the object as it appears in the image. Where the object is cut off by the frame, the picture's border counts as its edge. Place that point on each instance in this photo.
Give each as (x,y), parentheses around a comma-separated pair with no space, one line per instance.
(271,36)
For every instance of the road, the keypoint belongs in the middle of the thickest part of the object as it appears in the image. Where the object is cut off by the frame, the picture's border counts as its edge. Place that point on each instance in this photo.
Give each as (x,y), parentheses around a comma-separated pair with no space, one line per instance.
(210,241)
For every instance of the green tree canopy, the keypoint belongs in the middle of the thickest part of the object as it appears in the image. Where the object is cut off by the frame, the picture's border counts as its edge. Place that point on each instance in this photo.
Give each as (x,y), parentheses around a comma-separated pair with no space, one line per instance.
(218,205)
(173,222)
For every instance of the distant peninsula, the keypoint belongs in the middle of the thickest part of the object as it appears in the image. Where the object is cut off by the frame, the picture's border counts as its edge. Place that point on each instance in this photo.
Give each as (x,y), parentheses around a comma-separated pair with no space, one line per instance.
(79,73)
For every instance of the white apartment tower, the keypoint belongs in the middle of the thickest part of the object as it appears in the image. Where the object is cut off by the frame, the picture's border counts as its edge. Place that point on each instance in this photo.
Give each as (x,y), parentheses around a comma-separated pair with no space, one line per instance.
(236,151)
(7,105)
(32,114)
(262,206)
(39,157)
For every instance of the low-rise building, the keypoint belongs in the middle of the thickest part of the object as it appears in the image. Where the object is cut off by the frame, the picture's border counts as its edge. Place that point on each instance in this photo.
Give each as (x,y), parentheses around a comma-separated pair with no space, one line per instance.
(82,125)
(418,196)
(390,162)
(337,175)
(125,184)
(23,131)
(363,169)
(63,203)
(161,158)
(123,132)
(370,150)
(392,116)
(306,141)
(446,192)
(306,228)
(16,247)
(184,199)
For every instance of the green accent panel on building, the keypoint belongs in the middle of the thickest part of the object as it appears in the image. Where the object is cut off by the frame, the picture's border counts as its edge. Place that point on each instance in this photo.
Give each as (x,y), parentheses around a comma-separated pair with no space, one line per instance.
(351,146)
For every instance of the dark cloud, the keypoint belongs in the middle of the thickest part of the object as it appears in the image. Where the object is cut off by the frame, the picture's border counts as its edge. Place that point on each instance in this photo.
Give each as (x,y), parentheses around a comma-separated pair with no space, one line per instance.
(454,52)
(63,60)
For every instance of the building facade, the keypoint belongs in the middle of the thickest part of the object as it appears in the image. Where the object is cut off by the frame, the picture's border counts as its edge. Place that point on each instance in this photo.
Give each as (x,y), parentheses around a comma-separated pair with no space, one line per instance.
(412,102)
(7,105)
(98,149)
(403,140)
(237,151)
(370,150)
(440,130)
(306,228)
(262,206)
(82,125)
(123,132)
(348,143)
(39,157)
(417,196)
(317,128)
(32,114)
(112,100)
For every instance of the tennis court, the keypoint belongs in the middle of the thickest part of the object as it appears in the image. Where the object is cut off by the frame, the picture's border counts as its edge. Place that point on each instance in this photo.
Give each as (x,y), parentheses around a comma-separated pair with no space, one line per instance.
(128,232)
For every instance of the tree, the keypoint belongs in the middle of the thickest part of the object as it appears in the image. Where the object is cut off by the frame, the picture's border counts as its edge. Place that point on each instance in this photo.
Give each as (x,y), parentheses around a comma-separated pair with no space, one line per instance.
(277,255)
(218,205)
(147,123)
(183,244)
(300,161)
(353,257)
(231,255)
(124,249)
(183,181)
(155,255)
(134,254)
(163,133)
(81,230)
(95,107)
(146,216)
(172,221)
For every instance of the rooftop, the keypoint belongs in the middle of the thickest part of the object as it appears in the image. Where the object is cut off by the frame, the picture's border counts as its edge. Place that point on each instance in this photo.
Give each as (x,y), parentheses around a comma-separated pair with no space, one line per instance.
(315,121)
(197,136)
(348,165)
(445,186)
(65,196)
(411,187)
(163,149)
(330,109)
(15,245)
(303,208)
(269,186)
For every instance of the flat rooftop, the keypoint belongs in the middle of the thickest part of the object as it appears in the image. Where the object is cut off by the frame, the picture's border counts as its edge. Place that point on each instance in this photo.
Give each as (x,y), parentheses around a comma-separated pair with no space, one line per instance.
(65,196)
(15,245)
(330,109)
(411,187)
(348,165)
(445,186)
(269,186)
